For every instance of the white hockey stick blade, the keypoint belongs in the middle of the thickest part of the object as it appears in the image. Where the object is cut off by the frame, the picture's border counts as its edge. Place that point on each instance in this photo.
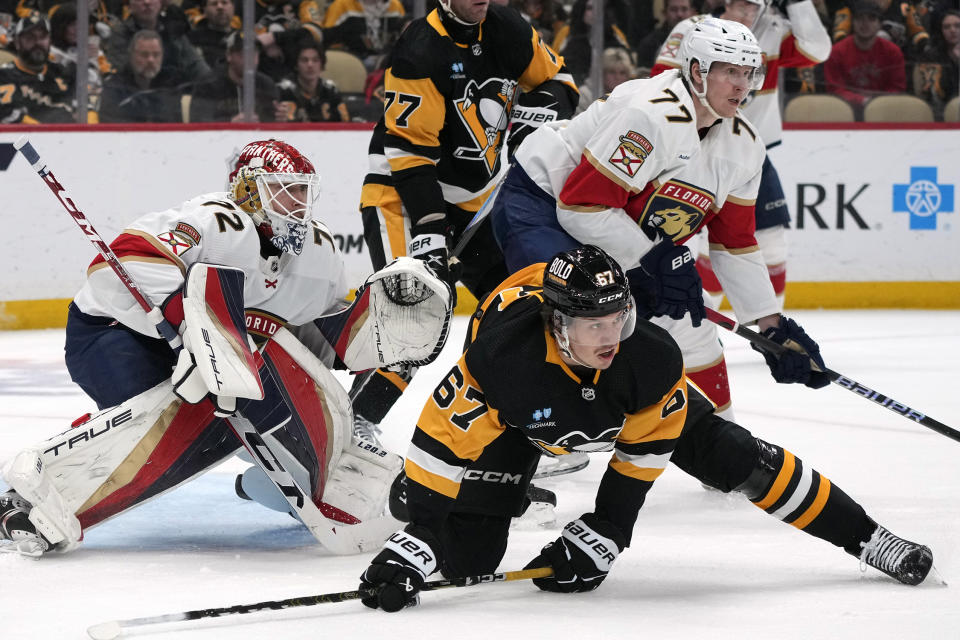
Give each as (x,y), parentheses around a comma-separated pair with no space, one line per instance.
(105,630)
(561,465)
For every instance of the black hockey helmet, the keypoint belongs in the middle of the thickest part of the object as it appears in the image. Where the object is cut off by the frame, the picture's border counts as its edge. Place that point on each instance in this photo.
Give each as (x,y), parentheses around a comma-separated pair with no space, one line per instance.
(585,282)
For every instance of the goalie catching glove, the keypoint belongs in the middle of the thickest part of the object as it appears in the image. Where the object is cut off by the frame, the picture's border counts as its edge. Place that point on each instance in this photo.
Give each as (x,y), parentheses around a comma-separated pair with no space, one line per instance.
(800,361)
(401,316)
(217,357)
(399,570)
(581,557)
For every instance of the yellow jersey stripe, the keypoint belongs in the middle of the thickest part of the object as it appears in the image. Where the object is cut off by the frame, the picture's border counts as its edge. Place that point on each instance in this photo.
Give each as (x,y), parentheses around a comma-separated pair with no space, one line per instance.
(783,478)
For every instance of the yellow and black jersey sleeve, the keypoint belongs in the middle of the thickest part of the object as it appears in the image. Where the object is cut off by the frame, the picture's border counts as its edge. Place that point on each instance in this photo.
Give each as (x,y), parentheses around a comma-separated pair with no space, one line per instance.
(456,425)
(641,453)
(648,438)
(545,64)
(524,283)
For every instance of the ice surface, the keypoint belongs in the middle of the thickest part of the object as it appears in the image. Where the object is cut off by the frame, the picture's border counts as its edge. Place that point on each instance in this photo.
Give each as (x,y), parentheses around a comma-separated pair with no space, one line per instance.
(702,565)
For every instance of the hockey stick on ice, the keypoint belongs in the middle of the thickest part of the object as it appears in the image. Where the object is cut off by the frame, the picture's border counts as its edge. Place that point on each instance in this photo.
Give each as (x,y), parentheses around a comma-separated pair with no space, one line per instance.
(115,628)
(340,539)
(847,383)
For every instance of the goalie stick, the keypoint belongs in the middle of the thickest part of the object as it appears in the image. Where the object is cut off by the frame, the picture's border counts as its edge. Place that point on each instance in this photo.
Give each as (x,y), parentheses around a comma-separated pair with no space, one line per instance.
(115,628)
(339,539)
(838,379)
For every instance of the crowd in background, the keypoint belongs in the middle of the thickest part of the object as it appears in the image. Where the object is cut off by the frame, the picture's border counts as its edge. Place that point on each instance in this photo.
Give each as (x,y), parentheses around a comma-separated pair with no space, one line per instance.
(164,61)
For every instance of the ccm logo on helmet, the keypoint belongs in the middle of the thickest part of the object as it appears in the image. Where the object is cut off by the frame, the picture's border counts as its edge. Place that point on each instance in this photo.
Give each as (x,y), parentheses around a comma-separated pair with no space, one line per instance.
(610,298)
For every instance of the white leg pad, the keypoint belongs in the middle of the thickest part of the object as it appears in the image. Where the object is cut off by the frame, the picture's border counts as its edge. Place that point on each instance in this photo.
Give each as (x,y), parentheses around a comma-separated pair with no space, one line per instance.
(360,482)
(50,514)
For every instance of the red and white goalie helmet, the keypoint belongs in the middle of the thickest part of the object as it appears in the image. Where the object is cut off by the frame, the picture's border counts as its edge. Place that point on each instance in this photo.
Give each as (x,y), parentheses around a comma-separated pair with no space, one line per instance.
(279,188)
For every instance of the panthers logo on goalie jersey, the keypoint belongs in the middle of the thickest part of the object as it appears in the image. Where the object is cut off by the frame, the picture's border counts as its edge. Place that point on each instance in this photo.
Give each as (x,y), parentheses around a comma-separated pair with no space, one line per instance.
(484,110)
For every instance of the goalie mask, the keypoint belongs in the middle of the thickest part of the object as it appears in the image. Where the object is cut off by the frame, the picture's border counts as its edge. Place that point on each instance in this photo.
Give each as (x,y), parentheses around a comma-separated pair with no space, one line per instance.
(588,300)
(715,40)
(279,188)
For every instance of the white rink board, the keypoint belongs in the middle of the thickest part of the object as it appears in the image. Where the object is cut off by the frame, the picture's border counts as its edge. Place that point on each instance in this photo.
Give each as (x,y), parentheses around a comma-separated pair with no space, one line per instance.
(116,176)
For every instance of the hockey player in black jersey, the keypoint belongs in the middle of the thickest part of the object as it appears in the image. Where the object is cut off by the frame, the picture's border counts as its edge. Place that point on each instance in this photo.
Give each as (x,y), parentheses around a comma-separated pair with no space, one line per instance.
(585,375)
(33,89)
(455,81)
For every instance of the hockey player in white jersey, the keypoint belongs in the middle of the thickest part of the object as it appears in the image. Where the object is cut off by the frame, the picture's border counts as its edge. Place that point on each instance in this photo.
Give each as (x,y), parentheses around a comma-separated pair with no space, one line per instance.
(638,174)
(255,283)
(797,39)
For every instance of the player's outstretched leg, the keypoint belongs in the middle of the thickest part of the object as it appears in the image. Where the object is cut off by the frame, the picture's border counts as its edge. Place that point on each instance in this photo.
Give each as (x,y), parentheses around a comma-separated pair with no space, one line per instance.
(783,486)
(727,457)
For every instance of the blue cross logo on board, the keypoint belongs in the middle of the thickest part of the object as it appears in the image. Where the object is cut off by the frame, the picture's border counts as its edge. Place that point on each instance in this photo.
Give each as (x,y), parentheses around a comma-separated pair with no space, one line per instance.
(923,198)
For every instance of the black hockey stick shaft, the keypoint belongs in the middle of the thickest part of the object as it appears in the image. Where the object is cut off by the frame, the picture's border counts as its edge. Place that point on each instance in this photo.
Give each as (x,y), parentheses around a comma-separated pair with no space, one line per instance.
(164,328)
(114,628)
(838,379)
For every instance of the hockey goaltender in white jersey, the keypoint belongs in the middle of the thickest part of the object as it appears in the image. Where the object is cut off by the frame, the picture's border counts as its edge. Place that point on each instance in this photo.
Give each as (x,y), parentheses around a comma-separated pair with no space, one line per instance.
(255,284)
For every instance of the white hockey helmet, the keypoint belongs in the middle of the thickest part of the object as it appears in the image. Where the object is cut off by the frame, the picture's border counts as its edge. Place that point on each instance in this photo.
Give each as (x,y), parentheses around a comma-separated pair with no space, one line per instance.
(716,40)
(279,187)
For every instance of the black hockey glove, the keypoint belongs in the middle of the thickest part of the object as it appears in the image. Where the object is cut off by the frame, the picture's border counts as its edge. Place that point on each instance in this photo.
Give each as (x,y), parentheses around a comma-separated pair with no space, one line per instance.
(801,362)
(580,557)
(398,571)
(667,283)
(429,244)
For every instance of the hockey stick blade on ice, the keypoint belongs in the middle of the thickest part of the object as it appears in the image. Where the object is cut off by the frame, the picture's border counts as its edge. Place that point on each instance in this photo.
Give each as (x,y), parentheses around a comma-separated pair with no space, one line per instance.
(336,538)
(115,628)
(838,379)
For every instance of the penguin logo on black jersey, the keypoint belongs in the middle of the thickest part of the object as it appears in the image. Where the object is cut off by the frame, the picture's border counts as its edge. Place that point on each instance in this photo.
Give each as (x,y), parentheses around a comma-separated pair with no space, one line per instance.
(484,111)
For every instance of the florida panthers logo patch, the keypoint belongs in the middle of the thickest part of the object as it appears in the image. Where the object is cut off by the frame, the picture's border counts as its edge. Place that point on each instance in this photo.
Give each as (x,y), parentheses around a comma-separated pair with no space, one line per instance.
(629,156)
(675,211)
(174,242)
(484,111)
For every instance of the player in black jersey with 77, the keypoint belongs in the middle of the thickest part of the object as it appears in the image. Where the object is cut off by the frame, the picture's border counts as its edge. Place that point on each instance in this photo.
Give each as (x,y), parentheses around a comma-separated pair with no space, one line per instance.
(585,375)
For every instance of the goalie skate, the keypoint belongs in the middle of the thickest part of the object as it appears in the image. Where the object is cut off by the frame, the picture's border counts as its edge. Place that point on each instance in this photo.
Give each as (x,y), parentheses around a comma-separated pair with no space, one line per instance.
(17,533)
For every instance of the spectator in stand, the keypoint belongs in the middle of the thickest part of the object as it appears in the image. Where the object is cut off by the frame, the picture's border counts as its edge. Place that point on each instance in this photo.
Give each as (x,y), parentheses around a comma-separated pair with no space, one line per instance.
(573,41)
(142,91)
(179,56)
(902,23)
(63,51)
(33,89)
(365,28)
(220,98)
(937,75)
(673,12)
(306,96)
(863,64)
(543,15)
(210,32)
(617,68)
(281,28)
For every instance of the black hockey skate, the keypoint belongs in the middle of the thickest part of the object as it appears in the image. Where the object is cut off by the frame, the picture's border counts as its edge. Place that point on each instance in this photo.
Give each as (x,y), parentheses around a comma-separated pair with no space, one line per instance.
(900,559)
(17,533)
